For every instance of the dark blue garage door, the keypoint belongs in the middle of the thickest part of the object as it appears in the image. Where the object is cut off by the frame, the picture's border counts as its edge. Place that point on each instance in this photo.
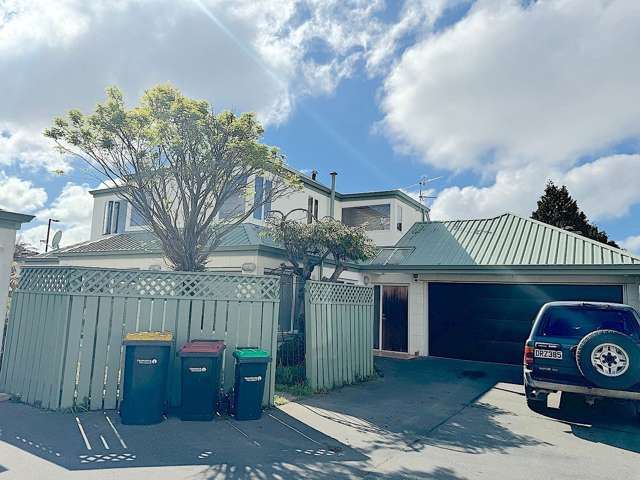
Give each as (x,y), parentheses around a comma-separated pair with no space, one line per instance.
(490,322)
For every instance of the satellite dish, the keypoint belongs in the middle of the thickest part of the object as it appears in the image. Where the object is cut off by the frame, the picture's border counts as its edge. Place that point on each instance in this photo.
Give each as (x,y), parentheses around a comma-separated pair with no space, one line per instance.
(55,243)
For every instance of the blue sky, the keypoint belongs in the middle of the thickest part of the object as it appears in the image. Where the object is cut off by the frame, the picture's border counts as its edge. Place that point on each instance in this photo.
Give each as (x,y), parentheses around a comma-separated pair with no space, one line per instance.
(493,96)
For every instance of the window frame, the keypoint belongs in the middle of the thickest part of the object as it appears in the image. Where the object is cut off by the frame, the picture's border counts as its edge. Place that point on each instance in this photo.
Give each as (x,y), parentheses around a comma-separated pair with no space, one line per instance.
(388,215)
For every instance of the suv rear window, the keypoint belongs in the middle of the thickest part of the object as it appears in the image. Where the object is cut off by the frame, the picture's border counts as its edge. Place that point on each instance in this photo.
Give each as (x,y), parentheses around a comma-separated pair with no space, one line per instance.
(578,321)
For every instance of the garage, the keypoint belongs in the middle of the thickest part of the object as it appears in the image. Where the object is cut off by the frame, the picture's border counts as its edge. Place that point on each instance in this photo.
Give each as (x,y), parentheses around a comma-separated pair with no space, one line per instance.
(491,321)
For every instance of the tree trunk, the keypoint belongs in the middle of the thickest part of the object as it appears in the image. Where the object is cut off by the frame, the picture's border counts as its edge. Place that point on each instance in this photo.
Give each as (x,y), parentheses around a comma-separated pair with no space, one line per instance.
(298,313)
(336,273)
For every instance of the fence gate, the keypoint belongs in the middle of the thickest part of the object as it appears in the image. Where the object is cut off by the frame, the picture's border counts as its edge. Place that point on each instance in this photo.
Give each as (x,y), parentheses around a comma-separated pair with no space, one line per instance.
(339,334)
(64,349)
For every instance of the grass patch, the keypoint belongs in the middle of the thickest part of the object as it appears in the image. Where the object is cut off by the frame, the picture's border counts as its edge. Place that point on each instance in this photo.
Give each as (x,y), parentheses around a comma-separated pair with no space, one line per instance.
(297,390)
(292,375)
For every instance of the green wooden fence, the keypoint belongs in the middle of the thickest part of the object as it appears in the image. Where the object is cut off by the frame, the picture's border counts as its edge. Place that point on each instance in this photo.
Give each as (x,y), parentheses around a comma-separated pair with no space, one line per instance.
(338,334)
(63,346)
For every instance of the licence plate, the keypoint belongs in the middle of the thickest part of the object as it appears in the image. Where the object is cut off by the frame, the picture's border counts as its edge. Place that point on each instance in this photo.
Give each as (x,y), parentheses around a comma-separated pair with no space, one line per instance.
(550,354)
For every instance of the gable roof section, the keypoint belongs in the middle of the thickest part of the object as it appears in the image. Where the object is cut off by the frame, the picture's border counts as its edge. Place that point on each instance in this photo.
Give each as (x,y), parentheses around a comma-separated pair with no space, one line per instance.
(507,240)
(242,237)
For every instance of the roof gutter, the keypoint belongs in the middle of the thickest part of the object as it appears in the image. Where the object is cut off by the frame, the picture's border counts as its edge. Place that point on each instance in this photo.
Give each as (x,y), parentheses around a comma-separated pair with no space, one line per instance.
(622,269)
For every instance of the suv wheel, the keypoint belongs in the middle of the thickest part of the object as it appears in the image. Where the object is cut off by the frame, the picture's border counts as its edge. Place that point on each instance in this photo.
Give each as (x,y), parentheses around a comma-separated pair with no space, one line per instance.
(609,359)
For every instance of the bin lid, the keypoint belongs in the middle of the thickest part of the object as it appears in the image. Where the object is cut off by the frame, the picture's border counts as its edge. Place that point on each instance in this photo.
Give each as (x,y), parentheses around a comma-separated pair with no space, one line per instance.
(252,355)
(202,348)
(148,337)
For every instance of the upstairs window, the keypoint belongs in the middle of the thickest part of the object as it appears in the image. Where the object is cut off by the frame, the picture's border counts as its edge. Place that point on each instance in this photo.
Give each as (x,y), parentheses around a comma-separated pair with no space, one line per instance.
(312,209)
(234,205)
(370,217)
(262,198)
(137,219)
(111,223)
(399,219)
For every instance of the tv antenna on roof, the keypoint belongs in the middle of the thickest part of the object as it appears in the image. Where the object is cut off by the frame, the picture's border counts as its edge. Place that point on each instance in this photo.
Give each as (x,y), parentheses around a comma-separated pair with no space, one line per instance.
(423,190)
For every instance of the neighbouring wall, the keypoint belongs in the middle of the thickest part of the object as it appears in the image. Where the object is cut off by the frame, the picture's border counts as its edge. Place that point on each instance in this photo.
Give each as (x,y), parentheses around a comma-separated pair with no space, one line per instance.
(7,246)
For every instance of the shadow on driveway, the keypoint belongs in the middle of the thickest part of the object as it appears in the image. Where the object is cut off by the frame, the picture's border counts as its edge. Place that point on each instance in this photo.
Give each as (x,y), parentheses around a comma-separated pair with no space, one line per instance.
(274,445)
(416,403)
(609,422)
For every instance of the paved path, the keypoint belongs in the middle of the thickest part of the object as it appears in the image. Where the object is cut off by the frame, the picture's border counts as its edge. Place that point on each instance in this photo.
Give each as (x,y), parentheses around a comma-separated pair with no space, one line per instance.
(429,418)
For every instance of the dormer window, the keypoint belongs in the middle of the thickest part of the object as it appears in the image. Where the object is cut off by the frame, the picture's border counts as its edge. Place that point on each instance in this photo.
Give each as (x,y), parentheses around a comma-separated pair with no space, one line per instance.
(112,213)
(263,192)
(137,219)
(312,209)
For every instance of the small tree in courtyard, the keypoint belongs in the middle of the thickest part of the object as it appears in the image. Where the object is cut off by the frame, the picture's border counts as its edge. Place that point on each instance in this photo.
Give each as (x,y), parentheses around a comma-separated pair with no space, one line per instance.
(556,207)
(186,170)
(309,245)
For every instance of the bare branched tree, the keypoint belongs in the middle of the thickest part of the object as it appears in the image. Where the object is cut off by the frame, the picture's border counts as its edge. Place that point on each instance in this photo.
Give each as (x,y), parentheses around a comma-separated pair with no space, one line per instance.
(191,174)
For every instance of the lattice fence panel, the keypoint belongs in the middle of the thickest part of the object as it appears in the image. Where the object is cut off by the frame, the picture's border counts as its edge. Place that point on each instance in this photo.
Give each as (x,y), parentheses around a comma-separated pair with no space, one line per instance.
(339,293)
(338,334)
(64,339)
(90,281)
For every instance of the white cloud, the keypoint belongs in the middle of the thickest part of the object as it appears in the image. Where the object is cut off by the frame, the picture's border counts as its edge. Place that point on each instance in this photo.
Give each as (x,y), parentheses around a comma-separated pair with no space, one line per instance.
(510,85)
(417,17)
(607,187)
(243,55)
(29,149)
(19,195)
(513,190)
(604,188)
(632,244)
(73,208)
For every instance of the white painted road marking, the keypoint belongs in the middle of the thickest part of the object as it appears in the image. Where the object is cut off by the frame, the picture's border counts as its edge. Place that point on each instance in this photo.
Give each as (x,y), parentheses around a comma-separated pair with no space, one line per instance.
(295,429)
(104,442)
(84,436)
(113,427)
(257,444)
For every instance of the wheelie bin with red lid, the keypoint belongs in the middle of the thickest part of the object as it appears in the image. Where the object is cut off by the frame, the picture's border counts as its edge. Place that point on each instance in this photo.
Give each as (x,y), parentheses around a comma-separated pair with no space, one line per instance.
(200,378)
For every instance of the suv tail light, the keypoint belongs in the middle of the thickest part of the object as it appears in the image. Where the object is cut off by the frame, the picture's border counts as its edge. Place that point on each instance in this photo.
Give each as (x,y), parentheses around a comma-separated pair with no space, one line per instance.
(528,355)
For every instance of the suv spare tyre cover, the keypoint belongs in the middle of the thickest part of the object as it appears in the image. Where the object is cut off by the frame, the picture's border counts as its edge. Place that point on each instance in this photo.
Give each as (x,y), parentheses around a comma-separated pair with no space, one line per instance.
(609,359)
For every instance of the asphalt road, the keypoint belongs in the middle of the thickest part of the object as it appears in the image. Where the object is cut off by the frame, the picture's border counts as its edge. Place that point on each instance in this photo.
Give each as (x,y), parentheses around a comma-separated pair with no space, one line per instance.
(428,419)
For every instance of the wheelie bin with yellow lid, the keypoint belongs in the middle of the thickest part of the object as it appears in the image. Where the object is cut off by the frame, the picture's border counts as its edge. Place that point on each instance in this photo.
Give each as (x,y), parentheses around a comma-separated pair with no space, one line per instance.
(146,367)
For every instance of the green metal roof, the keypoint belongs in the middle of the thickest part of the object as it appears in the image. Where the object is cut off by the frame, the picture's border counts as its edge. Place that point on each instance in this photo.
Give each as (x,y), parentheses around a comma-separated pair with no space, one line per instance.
(243,236)
(508,240)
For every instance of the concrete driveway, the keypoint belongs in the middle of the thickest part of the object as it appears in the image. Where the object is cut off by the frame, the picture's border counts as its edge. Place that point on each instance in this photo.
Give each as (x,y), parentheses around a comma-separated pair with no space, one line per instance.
(447,419)
(428,418)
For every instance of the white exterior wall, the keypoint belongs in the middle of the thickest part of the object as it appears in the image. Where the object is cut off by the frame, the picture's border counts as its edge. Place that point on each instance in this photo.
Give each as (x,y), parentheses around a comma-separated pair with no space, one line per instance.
(418,301)
(285,204)
(386,238)
(7,246)
(228,262)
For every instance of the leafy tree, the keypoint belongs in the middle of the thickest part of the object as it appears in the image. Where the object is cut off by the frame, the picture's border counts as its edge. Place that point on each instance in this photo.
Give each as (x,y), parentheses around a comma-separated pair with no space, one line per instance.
(187,170)
(309,245)
(557,207)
